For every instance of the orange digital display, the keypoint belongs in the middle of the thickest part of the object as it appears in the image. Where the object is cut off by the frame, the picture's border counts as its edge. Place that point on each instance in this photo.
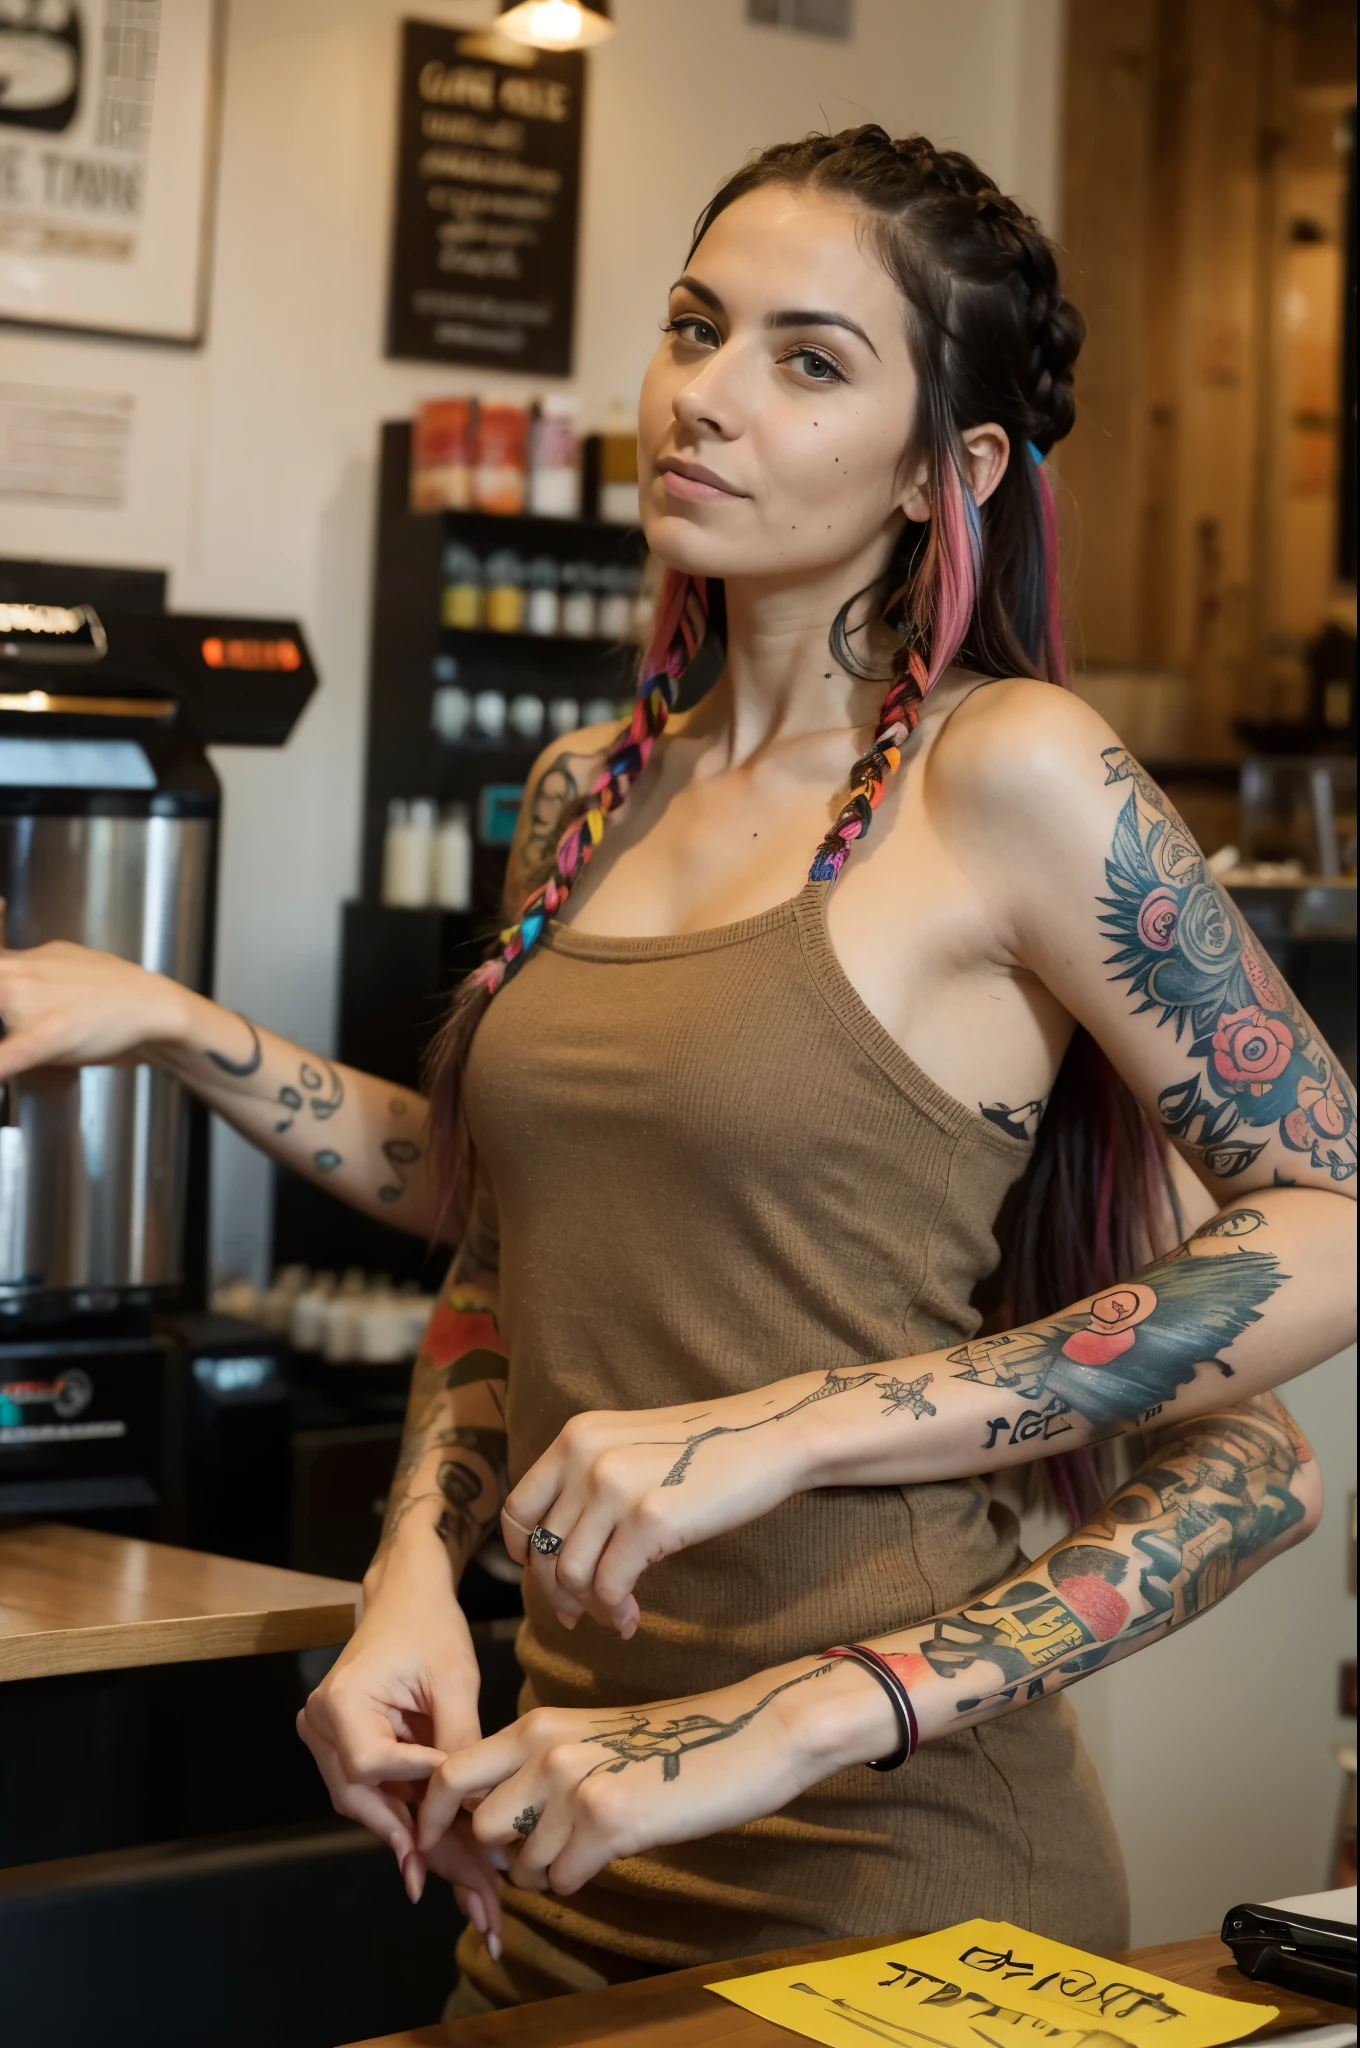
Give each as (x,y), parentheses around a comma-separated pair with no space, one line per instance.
(252,654)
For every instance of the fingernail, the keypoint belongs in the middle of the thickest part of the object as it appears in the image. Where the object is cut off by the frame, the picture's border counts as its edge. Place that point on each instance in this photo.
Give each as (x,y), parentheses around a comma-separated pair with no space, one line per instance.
(493,1947)
(499,1859)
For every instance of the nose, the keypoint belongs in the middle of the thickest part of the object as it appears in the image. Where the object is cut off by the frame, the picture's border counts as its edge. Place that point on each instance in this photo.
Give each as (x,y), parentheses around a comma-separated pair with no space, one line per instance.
(708,402)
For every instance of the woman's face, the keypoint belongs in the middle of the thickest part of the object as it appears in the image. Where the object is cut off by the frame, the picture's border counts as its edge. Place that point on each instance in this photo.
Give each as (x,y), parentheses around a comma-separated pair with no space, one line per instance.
(776,414)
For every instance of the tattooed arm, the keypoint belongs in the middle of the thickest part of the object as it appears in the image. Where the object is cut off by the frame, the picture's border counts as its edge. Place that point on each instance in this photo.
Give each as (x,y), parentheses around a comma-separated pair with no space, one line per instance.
(403,1692)
(571,1790)
(362,1137)
(625,1489)
(1098,892)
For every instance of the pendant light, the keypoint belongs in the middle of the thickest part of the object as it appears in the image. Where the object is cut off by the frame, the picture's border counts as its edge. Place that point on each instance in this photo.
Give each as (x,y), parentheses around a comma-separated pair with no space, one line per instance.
(555,24)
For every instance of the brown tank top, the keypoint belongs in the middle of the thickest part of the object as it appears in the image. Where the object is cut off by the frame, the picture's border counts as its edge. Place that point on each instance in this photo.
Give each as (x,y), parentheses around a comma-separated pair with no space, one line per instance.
(713,1168)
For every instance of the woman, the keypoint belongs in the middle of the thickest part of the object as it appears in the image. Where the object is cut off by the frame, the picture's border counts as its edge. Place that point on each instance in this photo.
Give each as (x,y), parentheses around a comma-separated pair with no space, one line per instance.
(741,1149)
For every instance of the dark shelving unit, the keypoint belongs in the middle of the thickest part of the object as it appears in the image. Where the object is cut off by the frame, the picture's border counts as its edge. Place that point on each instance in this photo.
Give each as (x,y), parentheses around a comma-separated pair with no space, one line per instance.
(405,757)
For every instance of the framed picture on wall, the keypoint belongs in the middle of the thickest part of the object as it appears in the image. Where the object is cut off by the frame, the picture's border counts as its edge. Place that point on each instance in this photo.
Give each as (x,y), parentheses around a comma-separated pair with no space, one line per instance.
(108,131)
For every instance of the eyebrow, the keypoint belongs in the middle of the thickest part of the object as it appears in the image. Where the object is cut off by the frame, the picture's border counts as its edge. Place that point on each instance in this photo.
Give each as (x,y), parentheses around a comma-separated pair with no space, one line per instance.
(707,297)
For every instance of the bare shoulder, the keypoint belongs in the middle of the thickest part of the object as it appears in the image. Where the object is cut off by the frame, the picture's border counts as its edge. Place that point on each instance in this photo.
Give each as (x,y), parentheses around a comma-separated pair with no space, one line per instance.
(1019,742)
(562,773)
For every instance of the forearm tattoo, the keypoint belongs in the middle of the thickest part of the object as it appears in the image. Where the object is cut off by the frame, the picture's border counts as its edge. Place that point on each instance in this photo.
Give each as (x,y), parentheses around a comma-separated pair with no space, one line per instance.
(318,1089)
(1210,1499)
(834,1383)
(401,1155)
(1125,1356)
(1185,951)
(641,1735)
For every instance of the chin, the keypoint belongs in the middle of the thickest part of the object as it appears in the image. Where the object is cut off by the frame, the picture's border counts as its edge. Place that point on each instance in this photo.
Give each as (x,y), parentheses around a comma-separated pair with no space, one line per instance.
(681,543)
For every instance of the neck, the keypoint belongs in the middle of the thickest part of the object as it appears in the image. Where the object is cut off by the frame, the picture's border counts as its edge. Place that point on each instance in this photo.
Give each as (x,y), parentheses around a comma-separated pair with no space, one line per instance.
(780,680)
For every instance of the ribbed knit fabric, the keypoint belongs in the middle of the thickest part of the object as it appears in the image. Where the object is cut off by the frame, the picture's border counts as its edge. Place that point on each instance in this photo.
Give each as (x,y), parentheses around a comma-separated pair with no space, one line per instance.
(713,1169)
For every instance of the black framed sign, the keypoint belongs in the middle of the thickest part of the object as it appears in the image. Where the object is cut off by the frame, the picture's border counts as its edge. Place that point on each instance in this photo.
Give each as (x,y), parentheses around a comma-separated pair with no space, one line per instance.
(488,190)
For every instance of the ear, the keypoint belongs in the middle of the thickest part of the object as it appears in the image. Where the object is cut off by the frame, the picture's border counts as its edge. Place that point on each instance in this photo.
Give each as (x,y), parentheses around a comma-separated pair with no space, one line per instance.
(987,450)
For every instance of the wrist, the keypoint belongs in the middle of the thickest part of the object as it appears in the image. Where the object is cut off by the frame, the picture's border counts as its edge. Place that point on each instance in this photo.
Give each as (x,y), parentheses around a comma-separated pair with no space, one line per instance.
(182,1021)
(841,1717)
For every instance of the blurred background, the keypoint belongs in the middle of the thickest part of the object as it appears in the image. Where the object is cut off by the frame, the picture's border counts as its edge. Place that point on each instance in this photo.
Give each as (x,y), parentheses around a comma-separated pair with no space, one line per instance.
(256,360)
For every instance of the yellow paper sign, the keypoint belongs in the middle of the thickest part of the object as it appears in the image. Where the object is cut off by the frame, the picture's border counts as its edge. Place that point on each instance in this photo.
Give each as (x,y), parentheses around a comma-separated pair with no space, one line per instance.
(987,1984)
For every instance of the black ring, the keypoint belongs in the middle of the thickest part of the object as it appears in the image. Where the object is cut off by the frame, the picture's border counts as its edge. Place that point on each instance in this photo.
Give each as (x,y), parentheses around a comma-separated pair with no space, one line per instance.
(544,1542)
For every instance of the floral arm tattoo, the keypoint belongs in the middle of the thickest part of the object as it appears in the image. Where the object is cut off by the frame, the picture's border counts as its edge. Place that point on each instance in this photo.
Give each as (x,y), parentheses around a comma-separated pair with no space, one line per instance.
(1211,1497)
(1186,953)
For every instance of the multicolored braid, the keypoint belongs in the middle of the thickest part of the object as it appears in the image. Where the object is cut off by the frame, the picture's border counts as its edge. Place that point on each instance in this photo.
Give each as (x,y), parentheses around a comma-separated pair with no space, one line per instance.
(682,619)
(938,601)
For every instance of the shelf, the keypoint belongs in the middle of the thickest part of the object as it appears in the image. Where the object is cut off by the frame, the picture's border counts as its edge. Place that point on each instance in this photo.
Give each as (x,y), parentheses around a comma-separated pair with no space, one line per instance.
(484,640)
(594,540)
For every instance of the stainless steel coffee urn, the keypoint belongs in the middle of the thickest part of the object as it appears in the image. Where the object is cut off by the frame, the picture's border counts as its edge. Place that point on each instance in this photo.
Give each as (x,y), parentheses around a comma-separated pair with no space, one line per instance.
(108,830)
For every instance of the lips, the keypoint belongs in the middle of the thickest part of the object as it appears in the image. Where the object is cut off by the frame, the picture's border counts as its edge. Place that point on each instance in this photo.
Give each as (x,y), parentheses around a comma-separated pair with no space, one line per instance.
(693,481)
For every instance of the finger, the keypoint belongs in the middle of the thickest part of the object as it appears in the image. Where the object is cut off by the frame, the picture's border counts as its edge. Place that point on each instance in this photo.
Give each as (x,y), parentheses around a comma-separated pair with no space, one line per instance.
(461,1861)
(20,1050)
(527,1503)
(549,1827)
(515,1537)
(368,1745)
(478,1769)
(379,1812)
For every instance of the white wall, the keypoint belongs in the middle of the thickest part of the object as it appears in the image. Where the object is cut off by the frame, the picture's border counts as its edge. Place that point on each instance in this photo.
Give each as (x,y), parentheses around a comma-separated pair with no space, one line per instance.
(252,479)
(1216,1748)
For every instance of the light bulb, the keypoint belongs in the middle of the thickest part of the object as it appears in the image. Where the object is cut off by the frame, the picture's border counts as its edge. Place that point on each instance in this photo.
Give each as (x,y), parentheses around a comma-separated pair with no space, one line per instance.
(555,24)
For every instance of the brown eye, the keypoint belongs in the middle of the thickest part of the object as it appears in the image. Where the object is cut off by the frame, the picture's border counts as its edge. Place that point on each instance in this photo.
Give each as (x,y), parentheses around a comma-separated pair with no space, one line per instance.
(816,367)
(690,327)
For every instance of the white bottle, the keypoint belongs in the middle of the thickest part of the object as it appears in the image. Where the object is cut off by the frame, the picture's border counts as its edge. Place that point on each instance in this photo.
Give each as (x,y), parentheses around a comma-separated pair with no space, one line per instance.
(453,860)
(554,475)
(408,848)
(578,600)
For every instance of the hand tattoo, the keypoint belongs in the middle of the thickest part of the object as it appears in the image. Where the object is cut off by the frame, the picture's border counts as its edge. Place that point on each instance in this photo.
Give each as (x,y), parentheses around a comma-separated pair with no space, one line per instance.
(646,1736)
(1139,1341)
(834,1383)
(1184,949)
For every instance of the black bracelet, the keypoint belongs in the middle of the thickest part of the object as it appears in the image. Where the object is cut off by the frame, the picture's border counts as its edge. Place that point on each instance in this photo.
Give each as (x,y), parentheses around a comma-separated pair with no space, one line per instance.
(907,1728)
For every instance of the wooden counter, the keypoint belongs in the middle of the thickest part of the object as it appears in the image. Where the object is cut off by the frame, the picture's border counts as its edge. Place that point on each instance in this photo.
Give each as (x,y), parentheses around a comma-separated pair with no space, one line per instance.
(674,2011)
(77,1600)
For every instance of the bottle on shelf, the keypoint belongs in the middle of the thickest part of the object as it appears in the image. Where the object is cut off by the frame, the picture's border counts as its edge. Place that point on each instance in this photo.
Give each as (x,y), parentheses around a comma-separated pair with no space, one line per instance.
(443,439)
(453,859)
(526,717)
(500,480)
(543,606)
(615,611)
(564,715)
(599,711)
(503,611)
(462,601)
(555,459)
(407,852)
(450,711)
(578,600)
(488,715)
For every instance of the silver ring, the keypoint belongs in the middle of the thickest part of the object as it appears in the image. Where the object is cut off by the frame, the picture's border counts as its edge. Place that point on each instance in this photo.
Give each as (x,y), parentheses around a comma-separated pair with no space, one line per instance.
(544,1542)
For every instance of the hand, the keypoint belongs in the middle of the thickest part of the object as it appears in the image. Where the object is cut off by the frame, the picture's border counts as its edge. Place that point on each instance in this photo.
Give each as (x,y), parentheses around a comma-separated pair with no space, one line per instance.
(623,1490)
(399,1698)
(69,1006)
(573,1789)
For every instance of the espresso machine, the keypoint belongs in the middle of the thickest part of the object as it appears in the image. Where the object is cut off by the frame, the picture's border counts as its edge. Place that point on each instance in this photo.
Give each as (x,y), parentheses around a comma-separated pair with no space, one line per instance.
(109,818)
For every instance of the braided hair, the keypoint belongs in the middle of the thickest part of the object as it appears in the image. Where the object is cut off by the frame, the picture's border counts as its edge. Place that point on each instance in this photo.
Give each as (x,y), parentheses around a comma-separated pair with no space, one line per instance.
(992,339)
